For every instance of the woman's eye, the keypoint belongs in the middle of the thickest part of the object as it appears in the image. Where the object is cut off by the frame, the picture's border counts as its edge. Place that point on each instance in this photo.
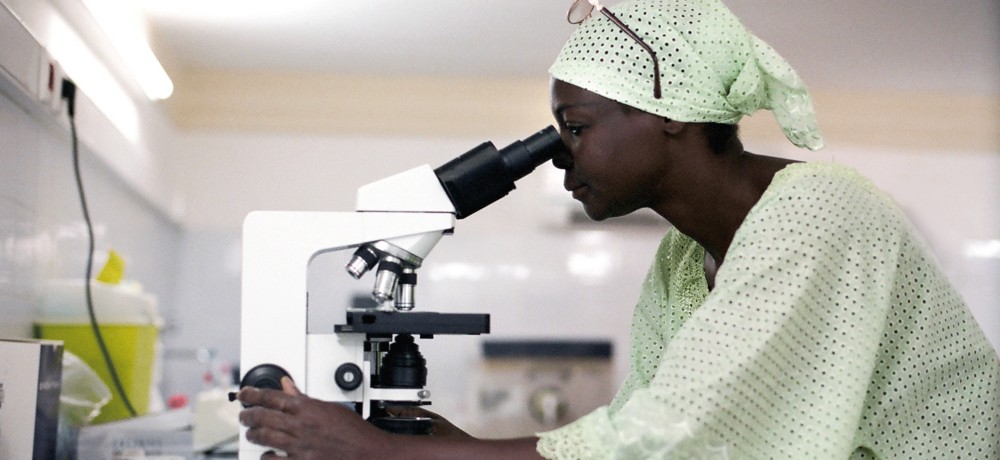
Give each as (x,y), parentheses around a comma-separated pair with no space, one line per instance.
(574,129)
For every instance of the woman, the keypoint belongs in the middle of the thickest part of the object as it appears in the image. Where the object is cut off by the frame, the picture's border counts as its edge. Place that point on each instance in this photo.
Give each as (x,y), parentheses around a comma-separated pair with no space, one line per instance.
(789,313)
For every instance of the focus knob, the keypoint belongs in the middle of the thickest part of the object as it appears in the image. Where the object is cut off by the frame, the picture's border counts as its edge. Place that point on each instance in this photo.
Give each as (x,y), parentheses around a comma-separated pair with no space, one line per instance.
(348,376)
(264,376)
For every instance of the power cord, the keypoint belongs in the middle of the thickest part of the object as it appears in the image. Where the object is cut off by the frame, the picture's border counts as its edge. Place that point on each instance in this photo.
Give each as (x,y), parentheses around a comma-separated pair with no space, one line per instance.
(69,94)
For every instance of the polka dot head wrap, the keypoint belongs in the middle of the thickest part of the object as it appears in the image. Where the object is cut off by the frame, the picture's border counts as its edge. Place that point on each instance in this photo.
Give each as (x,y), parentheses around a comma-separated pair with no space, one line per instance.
(712,68)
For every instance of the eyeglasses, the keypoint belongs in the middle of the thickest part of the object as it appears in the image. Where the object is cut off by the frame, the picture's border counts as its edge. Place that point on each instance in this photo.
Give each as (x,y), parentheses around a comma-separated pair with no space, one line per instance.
(580,10)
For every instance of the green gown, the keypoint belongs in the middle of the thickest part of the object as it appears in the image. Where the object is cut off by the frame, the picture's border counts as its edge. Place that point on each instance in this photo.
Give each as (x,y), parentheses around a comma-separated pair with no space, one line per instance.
(830,333)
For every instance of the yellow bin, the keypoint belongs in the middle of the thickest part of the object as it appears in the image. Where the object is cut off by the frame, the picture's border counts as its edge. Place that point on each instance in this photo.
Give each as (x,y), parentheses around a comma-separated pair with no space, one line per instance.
(128,323)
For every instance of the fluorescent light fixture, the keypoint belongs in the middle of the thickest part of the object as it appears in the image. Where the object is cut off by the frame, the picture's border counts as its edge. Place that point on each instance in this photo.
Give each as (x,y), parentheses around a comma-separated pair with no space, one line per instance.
(93,78)
(516,271)
(982,249)
(594,265)
(241,11)
(125,28)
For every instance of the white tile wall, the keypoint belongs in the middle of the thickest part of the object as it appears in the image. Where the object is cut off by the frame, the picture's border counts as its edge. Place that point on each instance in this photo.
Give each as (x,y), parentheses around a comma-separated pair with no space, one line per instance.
(41,225)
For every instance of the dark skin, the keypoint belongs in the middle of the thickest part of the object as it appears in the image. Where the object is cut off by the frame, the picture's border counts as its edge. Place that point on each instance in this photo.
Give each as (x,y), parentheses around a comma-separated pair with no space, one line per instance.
(307,428)
(620,160)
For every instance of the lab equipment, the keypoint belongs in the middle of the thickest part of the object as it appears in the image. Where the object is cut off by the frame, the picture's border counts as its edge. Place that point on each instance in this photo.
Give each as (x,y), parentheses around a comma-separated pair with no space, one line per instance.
(30,382)
(526,386)
(129,323)
(372,360)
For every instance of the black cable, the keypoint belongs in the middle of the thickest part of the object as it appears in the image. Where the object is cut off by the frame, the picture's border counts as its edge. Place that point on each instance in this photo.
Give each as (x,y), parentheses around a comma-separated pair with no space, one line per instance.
(69,93)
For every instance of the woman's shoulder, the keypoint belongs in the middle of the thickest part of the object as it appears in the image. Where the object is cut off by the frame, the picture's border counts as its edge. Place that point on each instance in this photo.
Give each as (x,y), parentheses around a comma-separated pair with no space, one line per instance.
(803,197)
(818,174)
(826,185)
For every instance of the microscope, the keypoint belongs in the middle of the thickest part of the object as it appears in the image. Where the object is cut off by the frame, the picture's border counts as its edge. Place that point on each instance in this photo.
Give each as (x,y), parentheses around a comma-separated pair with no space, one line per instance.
(371,360)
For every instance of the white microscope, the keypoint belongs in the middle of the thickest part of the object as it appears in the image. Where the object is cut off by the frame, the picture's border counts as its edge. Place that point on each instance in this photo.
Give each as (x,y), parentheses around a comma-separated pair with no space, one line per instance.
(371,360)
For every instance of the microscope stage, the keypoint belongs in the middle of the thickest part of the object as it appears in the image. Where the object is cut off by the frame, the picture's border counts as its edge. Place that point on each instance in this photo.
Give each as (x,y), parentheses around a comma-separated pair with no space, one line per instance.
(416,323)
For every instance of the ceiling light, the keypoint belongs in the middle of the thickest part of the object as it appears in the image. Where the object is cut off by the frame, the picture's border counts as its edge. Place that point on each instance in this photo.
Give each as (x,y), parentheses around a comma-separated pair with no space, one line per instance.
(238,11)
(124,27)
(93,78)
(982,249)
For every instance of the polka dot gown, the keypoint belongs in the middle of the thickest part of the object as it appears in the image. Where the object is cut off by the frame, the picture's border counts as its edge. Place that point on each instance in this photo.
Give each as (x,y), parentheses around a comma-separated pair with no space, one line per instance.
(830,333)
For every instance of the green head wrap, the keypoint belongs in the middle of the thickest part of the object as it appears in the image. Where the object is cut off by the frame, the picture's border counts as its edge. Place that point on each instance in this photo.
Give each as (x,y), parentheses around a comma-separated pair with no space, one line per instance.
(712,68)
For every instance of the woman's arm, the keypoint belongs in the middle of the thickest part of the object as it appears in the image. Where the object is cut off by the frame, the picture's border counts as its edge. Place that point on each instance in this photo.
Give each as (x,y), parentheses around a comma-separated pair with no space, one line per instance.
(308,428)
(432,447)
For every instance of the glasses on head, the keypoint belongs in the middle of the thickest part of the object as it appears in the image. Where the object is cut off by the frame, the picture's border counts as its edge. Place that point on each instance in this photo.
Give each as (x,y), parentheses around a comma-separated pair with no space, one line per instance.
(580,10)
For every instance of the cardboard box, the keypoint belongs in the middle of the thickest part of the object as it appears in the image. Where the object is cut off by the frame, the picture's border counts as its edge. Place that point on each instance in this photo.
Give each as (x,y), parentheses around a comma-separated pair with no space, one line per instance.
(30,384)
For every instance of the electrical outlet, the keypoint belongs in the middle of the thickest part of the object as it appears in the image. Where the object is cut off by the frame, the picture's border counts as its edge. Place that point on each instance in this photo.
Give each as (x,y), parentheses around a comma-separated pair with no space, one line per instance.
(46,72)
(57,103)
(50,76)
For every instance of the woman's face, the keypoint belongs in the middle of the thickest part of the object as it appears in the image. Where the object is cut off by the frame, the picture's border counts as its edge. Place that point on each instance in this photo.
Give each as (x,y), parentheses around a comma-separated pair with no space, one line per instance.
(618,158)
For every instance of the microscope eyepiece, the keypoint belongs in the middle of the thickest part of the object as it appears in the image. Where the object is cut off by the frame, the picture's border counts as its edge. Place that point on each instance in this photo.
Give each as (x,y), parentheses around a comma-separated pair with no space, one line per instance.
(483,175)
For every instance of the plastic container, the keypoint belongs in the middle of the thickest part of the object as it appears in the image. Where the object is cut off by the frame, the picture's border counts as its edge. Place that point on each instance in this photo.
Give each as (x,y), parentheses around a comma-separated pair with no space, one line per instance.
(129,324)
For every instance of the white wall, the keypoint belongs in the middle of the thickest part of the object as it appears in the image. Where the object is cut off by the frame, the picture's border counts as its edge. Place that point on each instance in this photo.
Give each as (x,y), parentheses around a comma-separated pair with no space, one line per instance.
(42,233)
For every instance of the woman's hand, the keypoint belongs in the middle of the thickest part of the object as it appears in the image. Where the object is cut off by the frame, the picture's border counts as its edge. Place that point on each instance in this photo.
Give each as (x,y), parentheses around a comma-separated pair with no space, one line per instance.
(307,428)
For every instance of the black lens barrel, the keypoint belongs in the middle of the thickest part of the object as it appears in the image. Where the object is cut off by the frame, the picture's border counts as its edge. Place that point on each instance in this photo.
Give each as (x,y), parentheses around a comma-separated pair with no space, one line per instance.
(483,175)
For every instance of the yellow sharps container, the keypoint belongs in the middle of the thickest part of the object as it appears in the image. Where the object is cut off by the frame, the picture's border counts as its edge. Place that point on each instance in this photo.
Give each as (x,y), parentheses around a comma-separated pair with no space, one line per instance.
(128,322)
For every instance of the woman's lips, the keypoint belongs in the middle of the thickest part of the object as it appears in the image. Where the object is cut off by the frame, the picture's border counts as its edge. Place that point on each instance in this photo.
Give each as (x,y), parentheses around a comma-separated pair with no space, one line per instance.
(580,192)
